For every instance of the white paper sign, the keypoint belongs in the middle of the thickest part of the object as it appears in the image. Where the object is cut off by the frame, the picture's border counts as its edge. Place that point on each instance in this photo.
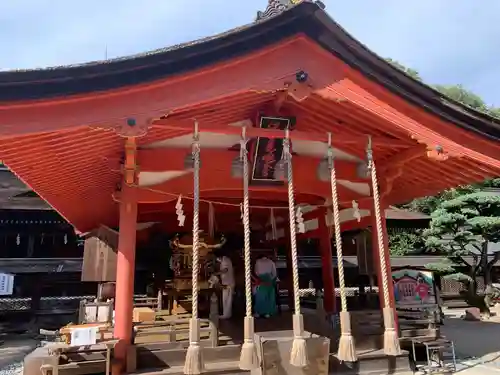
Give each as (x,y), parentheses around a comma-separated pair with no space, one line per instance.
(83,336)
(6,284)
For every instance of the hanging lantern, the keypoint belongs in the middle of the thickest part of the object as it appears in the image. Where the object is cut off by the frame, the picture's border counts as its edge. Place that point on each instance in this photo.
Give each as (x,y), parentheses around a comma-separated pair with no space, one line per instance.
(18,239)
(323,171)
(237,167)
(362,170)
(281,170)
(189,161)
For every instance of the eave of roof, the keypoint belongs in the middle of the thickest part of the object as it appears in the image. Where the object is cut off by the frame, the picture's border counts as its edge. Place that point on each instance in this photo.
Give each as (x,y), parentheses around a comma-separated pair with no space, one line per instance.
(306,18)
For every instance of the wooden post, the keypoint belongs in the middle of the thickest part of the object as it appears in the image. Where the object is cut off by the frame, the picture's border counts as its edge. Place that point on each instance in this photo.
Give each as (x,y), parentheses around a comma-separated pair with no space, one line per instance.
(388,264)
(125,270)
(387,260)
(325,245)
(289,282)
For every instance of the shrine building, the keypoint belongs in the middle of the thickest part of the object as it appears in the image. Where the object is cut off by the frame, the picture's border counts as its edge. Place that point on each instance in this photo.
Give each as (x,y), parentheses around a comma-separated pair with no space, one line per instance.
(314,120)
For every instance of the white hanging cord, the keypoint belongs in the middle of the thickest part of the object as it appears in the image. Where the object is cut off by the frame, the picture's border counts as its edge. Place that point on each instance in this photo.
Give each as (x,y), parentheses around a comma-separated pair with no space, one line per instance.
(298,357)
(356,213)
(179,210)
(219,203)
(248,358)
(391,340)
(346,351)
(194,361)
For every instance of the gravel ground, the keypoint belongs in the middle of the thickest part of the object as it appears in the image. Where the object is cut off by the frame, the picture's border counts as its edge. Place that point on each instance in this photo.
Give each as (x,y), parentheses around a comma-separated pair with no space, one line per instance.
(12,353)
(476,343)
(12,369)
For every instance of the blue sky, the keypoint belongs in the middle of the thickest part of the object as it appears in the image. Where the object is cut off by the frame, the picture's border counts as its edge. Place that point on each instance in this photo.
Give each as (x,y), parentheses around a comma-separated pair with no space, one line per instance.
(447,41)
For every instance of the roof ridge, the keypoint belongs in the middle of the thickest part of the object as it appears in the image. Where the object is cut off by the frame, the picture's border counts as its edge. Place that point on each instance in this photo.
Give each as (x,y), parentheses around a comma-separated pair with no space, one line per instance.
(276,7)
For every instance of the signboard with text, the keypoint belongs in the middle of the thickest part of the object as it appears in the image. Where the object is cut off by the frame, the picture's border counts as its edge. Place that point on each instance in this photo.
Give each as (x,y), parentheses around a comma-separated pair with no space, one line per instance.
(268,152)
(413,287)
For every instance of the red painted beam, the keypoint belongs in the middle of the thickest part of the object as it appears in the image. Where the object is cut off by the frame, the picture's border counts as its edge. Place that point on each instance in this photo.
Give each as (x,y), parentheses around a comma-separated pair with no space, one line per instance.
(172,159)
(253,132)
(218,178)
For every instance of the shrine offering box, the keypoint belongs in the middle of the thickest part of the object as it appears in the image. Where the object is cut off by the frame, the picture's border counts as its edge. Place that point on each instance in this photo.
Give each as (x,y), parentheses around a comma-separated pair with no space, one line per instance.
(274,348)
(143,314)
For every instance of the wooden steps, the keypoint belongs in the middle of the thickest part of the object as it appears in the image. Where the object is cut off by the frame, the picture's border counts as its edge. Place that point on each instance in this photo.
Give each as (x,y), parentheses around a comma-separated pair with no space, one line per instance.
(151,357)
(373,362)
(229,368)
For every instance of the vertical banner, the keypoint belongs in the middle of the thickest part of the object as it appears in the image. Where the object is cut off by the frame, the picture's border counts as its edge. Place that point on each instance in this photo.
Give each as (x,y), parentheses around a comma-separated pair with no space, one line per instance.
(268,152)
(6,284)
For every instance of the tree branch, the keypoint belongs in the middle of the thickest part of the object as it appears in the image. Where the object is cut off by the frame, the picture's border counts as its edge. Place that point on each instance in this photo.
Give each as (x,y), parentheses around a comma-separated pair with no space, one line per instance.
(495,259)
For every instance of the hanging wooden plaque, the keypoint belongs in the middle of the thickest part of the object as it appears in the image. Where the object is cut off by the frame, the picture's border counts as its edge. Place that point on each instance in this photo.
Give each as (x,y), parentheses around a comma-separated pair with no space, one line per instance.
(100,256)
(268,152)
(366,260)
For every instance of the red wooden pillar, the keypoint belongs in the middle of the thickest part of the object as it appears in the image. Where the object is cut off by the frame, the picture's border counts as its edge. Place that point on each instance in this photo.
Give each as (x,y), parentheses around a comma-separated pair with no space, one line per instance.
(325,245)
(125,270)
(289,266)
(376,258)
(387,260)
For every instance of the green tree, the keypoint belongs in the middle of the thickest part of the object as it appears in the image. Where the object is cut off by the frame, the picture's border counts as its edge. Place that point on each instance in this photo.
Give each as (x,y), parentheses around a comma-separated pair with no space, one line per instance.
(406,242)
(460,94)
(456,92)
(411,72)
(463,229)
(464,96)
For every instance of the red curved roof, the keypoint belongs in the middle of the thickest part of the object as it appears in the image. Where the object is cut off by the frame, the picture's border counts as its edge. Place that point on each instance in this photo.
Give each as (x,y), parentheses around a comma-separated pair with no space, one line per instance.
(57,127)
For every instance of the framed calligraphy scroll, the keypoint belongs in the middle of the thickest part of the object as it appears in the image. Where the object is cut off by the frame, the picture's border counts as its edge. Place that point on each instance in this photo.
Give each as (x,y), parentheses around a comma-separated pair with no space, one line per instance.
(268,152)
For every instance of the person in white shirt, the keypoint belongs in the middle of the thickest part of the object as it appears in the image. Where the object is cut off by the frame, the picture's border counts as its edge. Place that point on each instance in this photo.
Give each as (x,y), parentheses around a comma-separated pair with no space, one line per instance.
(226,274)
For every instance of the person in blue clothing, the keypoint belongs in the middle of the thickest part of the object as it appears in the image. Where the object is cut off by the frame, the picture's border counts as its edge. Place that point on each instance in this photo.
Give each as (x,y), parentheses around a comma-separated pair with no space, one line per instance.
(265,291)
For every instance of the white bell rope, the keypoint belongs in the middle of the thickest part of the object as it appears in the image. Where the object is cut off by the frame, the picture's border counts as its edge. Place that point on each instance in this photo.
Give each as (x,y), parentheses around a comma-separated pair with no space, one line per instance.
(248,357)
(347,350)
(298,357)
(194,360)
(391,340)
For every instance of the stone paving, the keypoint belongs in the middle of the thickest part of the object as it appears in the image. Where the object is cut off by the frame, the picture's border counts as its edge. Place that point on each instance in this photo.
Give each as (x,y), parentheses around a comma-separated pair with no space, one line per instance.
(477,344)
(12,353)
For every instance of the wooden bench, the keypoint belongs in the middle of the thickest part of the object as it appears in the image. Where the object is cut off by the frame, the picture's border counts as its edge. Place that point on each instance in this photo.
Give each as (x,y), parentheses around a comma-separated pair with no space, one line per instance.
(412,323)
(155,303)
(65,332)
(175,296)
(175,331)
(64,359)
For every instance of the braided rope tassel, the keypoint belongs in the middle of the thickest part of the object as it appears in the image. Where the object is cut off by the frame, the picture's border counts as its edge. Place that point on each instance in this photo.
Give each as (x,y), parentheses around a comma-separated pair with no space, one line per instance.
(248,357)
(298,356)
(347,349)
(194,360)
(391,340)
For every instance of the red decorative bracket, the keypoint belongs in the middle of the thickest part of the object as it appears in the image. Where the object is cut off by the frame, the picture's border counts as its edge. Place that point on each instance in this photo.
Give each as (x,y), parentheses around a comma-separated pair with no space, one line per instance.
(437,153)
(132,127)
